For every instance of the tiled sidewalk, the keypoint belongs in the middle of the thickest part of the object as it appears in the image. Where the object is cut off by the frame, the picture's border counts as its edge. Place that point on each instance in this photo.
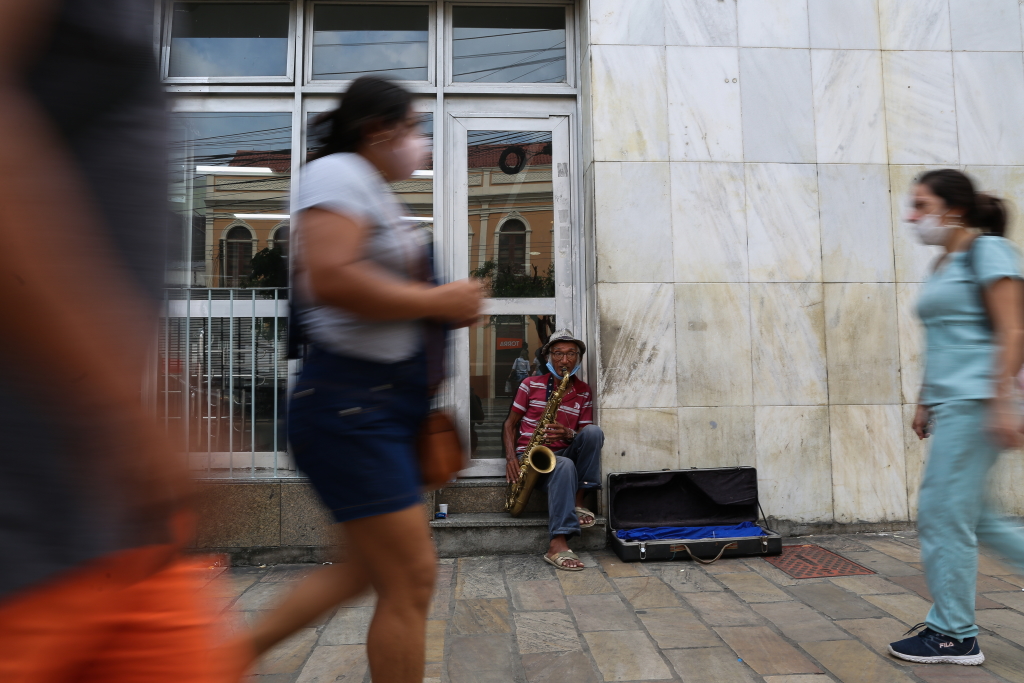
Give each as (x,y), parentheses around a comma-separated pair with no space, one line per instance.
(515,618)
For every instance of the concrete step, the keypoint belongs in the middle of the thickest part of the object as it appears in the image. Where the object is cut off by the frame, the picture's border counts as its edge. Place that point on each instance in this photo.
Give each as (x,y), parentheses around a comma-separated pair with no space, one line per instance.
(496,533)
(484,494)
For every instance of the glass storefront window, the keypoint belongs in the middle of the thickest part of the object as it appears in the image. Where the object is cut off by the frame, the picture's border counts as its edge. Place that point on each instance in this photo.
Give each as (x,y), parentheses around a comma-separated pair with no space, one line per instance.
(215,40)
(383,40)
(508,44)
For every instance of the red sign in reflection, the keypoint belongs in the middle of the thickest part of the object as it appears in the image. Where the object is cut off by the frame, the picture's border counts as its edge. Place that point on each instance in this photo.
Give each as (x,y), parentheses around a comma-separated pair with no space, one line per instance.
(505,343)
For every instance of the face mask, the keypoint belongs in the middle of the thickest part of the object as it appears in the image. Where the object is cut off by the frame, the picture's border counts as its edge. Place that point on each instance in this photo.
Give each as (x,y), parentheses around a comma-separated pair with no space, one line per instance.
(408,155)
(556,373)
(929,230)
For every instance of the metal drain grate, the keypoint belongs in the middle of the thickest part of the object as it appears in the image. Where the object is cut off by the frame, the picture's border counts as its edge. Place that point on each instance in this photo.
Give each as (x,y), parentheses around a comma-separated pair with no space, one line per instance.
(814,562)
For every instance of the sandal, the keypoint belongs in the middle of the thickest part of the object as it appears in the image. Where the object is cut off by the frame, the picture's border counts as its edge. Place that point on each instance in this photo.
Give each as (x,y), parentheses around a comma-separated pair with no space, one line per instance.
(560,559)
(582,512)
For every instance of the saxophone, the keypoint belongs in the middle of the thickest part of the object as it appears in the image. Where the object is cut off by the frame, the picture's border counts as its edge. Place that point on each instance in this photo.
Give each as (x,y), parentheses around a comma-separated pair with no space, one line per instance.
(538,459)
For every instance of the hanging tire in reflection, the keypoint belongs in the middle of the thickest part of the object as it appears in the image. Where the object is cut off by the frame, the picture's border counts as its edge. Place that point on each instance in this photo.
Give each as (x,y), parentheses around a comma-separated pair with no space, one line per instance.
(518,153)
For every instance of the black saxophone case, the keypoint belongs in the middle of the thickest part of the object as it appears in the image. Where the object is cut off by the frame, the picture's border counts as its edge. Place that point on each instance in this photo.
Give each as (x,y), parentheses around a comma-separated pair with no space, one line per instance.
(695,497)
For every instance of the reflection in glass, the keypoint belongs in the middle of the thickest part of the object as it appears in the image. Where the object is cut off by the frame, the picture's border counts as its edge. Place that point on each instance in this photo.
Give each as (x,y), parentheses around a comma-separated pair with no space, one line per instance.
(508,44)
(502,352)
(229,39)
(511,217)
(383,40)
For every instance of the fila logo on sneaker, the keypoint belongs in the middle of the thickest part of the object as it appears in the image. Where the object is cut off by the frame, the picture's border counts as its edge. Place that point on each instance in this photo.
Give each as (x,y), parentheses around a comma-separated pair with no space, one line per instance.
(945,644)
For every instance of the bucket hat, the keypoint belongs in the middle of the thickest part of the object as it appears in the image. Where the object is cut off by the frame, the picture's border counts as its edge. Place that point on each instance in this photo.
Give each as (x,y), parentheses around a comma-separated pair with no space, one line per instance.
(562,336)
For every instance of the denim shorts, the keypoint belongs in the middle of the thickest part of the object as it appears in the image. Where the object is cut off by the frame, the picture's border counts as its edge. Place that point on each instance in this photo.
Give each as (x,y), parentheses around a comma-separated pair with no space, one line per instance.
(352,425)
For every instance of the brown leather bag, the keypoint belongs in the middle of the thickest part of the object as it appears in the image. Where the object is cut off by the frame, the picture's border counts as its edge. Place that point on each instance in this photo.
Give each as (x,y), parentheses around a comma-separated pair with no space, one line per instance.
(440,450)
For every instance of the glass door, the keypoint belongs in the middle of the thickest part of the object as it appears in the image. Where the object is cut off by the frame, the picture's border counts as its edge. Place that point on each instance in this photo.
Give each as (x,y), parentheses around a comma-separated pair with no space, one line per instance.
(510,226)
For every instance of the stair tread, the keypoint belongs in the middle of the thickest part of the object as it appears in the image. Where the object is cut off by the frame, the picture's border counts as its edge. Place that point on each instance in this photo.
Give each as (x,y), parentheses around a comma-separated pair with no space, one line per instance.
(492,519)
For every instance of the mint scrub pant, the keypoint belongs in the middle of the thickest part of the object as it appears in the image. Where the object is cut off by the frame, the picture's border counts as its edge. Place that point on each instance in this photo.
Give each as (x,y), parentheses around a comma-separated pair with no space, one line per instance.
(954,514)
(577,466)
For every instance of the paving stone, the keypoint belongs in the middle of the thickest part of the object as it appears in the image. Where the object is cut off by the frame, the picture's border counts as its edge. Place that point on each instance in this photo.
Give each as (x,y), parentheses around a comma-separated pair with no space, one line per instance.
(1006,623)
(799,622)
(289,656)
(882,563)
(289,572)
(435,641)
(877,634)
(953,673)
(586,582)
(990,566)
(892,548)
(546,632)
(726,565)
(722,609)
(907,607)
(335,664)
(263,595)
(560,667)
(537,595)
(601,613)
(798,678)
(1012,600)
(481,659)
(752,587)
(712,664)
(627,656)
(687,578)
(526,568)
(990,584)
(919,585)
(348,626)
(479,577)
(852,662)
(834,601)
(483,615)
(677,627)
(1011,578)
(647,591)
(776,576)
(1004,659)
(441,600)
(432,670)
(838,544)
(367,599)
(616,568)
(868,585)
(765,651)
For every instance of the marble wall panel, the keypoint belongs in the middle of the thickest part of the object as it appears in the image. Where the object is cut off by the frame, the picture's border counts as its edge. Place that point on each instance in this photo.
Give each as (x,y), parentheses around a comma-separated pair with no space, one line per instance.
(639,439)
(783,234)
(772,23)
(709,225)
(916,451)
(1004,484)
(586,111)
(1006,182)
(638,22)
(849,117)
(862,342)
(989,106)
(914,24)
(990,25)
(633,228)
(698,22)
(856,223)
(920,108)
(788,344)
(844,24)
(721,436)
(913,260)
(869,474)
(911,340)
(704,121)
(794,471)
(630,114)
(778,109)
(636,323)
(713,345)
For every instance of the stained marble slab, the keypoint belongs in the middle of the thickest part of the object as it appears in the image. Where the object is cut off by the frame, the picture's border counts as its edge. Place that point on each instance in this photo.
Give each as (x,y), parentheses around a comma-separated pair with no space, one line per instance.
(778,108)
(643,213)
(637,328)
(985,25)
(849,116)
(630,117)
(783,224)
(844,24)
(914,24)
(709,223)
(698,22)
(920,107)
(863,343)
(639,439)
(772,23)
(788,341)
(989,106)
(794,470)
(916,453)
(856,223)
(640,22)
(713,344)
(720,436)
(912,345)
(704,115)
(868,463)
(913,259)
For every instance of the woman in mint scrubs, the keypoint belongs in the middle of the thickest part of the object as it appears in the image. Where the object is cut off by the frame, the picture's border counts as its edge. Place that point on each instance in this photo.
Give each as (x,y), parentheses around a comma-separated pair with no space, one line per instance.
(971,307)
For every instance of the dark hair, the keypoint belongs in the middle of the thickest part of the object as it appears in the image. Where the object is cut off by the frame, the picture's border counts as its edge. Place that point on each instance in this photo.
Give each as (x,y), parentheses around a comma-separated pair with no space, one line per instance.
(983,211)
(369,100)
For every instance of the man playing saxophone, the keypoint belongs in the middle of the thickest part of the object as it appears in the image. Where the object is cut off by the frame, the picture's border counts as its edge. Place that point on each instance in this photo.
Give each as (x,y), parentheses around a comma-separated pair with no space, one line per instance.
(574,438)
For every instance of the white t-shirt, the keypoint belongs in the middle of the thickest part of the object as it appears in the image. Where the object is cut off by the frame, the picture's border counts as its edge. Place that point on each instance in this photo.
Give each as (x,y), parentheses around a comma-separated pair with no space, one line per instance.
(348,184)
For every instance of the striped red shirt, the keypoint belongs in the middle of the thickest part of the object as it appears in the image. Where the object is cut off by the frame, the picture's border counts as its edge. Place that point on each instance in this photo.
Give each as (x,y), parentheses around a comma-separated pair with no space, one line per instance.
(575,412)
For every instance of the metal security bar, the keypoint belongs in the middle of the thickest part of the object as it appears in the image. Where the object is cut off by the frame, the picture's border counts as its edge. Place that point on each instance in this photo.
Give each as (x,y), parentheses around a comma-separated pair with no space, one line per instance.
(223,378)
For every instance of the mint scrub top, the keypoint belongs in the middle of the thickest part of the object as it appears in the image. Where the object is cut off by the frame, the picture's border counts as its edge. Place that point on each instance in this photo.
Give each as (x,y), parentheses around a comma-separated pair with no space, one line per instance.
(960,360)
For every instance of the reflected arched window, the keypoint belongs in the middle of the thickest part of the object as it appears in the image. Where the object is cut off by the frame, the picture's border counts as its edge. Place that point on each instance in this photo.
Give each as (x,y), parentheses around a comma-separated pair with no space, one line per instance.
(237,255)
(280,240)
(512,245)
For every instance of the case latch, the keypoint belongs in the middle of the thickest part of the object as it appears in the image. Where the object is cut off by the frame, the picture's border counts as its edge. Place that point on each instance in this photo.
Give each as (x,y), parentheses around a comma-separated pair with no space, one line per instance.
(764,545)
(643,550)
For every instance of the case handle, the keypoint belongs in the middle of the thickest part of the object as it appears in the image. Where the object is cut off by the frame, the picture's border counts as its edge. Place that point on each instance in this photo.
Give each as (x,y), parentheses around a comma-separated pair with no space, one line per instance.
(727,546)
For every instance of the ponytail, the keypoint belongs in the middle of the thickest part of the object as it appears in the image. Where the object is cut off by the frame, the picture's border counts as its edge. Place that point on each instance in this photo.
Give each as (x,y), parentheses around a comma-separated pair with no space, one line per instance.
(983,211)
